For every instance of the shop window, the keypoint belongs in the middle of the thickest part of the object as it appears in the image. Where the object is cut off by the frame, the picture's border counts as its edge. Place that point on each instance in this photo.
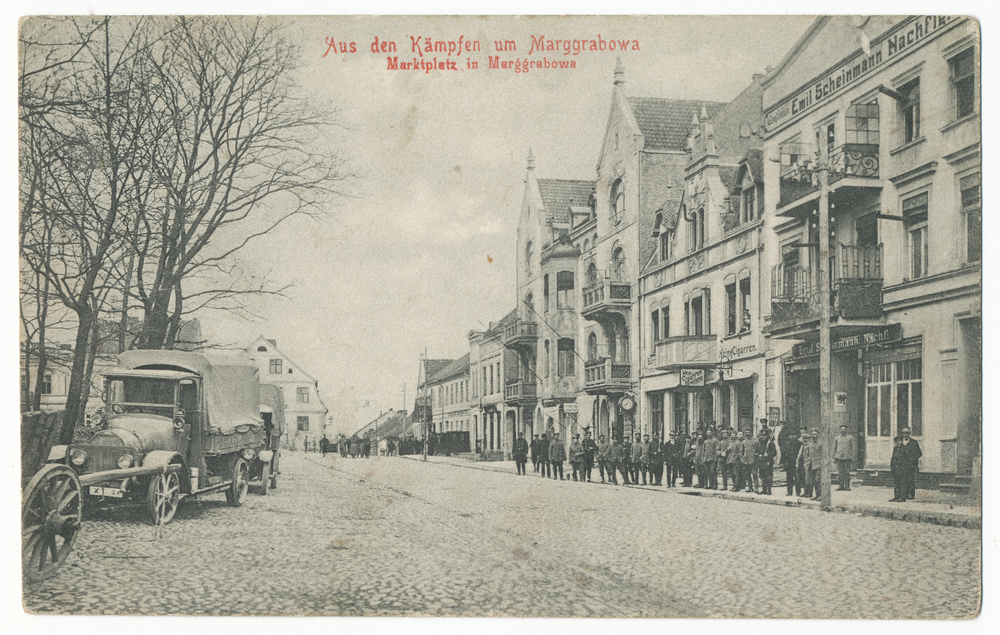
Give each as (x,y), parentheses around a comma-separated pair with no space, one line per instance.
(302,423)
(302,394)
(963,81)
(567,353)
(275,366)
(565,295)
(915,213)
(656,413)
(895,398)
(680,408)
(972,209)
(910,111)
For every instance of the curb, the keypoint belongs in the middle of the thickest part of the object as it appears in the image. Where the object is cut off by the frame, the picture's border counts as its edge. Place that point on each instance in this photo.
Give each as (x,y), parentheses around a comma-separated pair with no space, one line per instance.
(964,521)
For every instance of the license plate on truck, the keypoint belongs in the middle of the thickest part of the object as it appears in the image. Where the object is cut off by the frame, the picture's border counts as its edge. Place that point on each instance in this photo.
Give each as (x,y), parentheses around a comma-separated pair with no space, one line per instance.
(113,492)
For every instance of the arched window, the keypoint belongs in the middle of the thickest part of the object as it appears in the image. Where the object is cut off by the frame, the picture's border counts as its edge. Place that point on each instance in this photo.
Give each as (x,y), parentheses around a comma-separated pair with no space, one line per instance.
(619,269)
(592,279)
(527,258)
(547,358)
(698,230)
(261,349)
(530,301)
(592,347)
(617,202)
(545,292)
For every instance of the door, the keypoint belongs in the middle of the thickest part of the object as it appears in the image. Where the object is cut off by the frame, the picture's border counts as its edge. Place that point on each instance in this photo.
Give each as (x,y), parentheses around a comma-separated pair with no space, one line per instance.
(893,401)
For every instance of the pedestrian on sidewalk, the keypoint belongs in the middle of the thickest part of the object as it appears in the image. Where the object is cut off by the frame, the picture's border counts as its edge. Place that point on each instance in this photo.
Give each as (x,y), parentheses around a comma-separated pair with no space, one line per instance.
(635,462)
(520,452)
(765,461)
(616,454)
(734,461)
(602,458)
(535,457)
(748,458)
(671,455)
(543,455)
(589,453)
(687,460)
(557,456)
(722,457)
(789,463)
(323,443)
(845,448)
(711,458)
(576,457)
(812,461)
(911,467)
(897,465)
(699,460)
(656,461)
(644,460)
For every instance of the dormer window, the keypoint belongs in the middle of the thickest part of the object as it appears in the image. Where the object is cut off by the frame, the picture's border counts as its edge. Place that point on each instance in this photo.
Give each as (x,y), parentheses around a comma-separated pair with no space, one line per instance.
(748,203)
(666,244)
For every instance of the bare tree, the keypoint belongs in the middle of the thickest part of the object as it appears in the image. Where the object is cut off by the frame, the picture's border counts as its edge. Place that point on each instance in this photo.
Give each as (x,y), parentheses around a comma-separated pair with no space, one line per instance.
(236,162)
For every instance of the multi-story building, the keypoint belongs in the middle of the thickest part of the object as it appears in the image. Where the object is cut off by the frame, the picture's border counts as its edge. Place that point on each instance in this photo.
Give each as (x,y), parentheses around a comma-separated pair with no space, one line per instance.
(893,103)
(305,412)
(449,391)
(496,390)
(701,343)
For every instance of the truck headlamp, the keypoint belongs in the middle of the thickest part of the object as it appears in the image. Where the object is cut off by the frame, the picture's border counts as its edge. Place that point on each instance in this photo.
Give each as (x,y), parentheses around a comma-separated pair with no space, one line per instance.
(125,461)
(78,457)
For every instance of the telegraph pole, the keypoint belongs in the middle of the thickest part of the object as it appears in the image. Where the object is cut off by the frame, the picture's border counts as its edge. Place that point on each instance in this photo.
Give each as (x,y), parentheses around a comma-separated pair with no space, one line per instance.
(825,360)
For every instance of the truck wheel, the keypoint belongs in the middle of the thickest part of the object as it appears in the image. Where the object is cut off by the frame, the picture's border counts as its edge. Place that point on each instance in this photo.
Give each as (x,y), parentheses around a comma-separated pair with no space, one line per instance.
(163,498)
(265,476)
(50,520)
(237,492)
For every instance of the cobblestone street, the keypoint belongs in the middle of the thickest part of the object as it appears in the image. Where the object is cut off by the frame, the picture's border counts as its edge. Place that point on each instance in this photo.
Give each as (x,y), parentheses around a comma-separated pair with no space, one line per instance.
(389,536)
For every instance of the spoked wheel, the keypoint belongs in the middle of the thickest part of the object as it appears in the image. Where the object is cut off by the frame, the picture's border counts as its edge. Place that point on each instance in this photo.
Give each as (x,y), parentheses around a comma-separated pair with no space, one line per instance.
(265,476)
(163,498)
(51,512)
(237,492)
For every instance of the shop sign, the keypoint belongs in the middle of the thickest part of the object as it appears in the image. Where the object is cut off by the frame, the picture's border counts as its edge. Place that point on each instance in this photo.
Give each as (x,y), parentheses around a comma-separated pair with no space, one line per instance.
(692,377)
(840,402)
(737,351)
(883,335)
(915,34)
(569,407)
(773,416)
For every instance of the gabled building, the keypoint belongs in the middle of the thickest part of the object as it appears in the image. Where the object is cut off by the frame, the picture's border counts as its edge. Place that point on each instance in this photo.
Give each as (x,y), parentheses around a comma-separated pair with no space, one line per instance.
(449,405)
(893,104)
(305,412)
(702,348)
(499,399)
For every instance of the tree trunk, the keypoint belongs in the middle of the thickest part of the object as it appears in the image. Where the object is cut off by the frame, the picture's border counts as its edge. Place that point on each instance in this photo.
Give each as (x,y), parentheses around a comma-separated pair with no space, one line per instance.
(86,318)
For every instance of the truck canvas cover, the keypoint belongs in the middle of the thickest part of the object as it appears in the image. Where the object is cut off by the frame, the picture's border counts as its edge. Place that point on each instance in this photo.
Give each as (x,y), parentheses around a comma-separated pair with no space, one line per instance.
(231,384)
(271,400)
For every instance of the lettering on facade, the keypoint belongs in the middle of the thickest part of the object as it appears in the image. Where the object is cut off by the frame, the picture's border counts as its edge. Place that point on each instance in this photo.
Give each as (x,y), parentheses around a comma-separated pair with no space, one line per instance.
(858,66)
(737,351)
(886,334)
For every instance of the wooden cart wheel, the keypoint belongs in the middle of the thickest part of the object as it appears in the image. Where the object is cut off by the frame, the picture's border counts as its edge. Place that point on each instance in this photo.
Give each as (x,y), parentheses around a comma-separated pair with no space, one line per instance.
(51,511)
(237,492)
(163,498)
(265,476)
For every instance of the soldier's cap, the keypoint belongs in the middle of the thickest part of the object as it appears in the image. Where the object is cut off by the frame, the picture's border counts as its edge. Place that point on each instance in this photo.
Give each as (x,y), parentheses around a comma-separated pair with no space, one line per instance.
(897,438)
(763,420)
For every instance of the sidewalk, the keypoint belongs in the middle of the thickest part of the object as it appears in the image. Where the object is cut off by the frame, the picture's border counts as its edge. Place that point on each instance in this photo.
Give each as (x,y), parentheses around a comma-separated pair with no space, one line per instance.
(930,506)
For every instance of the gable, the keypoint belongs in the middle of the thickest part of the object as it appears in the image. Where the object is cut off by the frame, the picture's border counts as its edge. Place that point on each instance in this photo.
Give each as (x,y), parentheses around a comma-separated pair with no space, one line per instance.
(560,195)
(666,123)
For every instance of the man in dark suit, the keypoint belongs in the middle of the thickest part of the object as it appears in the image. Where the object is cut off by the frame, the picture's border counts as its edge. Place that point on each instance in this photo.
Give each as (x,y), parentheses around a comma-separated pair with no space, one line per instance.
(672,455)
(789,462)
(543,454)
(655,464)
(911,465)
(520,452)
(589,452)
(535,458)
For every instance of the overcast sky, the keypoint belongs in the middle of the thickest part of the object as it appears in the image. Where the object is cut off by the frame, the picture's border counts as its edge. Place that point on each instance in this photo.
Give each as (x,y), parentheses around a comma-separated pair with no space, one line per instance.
(422,251)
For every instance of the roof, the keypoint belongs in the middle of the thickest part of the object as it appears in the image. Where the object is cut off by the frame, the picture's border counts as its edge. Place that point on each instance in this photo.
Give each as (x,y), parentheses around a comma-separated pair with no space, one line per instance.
(727,173)
(559,195)
(754,160)
(456,367)
(666,123)
(434,366)
(670,211)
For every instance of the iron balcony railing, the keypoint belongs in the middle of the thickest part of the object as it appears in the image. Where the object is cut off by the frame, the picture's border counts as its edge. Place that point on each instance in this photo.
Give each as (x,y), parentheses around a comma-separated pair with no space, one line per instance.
(607,374)
(799,176)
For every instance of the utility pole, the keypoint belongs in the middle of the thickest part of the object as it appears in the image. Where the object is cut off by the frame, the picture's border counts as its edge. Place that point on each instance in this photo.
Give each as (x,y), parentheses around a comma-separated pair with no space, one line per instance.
(825,360)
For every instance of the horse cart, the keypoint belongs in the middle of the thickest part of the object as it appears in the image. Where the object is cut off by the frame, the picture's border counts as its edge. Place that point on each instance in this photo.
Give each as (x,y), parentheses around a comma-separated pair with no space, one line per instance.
(177,425)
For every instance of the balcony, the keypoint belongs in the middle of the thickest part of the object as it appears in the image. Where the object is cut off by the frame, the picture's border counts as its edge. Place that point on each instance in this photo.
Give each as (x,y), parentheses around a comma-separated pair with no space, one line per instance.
(520,393)
(855,290)
(606,297)
(520,333)
(689,351)
(604,376)
(852,164)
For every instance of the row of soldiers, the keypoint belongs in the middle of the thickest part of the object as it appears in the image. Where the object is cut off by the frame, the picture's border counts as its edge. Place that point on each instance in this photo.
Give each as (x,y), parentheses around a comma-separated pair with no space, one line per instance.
(747,461)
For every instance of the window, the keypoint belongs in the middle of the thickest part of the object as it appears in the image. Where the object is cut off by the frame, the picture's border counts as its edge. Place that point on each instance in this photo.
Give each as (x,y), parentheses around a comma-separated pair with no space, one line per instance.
(47,384)
(972,208)
(592,347)
(545,291)
(617,202)
(491,379)
(744,305)
(748,202)
(915,213)
(592,278)
(698,230)
(302,394)
(910,110)
(530,301)
(666,244)
(827,134)
(654,320)
(275,366)
(619,267)
(485,382)
(656,413)
(895,398)
(866,230)
(565,296)
(547,357)
(666,322)
(302,423)
(261,349)
(963,81)
(697,321)
(862,125)
(567,352)
(527,258)
(731,309)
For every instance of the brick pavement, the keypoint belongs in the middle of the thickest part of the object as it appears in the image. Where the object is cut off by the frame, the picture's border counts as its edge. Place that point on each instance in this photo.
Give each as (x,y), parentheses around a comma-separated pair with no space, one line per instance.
(930,506)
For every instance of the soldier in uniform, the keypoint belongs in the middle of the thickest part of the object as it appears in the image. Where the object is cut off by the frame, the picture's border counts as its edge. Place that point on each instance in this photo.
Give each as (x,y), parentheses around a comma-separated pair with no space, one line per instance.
(765,461)
(543,455)
(644,461)
(789,461)
(602,457)
(710,457)
(520,452)
(589,451)
(534,453)
(748,456)
(576,457)
(557,455)
(616,455)
(625,464)
(734,462)
(687,460)
(655,462)
(635,465)
(671,453)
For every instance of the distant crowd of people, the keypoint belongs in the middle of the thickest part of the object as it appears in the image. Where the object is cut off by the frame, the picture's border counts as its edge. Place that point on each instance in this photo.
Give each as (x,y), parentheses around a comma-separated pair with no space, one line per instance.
(743,461)
(356,447)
